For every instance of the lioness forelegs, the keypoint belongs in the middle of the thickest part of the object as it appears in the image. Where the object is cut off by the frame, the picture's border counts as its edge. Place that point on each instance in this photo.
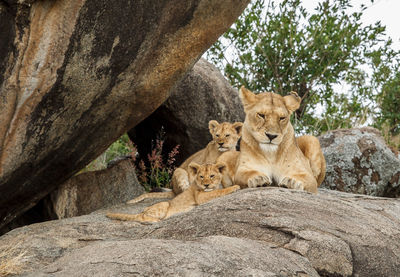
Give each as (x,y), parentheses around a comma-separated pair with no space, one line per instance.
(252,179)
(300,182)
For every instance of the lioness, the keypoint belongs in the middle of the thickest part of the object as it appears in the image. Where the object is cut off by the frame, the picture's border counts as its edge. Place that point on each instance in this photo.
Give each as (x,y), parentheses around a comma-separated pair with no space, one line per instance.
(224,138)
(205,187)
(268,150)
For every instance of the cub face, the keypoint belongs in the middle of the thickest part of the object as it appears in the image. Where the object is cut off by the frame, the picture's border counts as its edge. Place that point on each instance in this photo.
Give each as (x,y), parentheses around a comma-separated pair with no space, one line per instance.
(268,115)
(225,135)
(207,177)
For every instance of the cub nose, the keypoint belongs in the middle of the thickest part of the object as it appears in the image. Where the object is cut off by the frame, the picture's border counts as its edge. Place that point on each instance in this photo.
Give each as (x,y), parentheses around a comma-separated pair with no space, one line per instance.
(220,143)
(271,137)
(206,185)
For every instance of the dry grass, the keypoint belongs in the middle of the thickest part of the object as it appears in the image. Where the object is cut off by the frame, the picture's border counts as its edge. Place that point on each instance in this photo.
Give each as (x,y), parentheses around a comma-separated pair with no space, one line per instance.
(10,263)
(393,141)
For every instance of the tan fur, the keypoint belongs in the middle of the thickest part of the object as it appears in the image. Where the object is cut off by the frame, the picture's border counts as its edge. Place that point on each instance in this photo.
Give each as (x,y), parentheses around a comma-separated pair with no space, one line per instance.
(268,150)
(224,138)
(229,159)
(309,146)
(311,149)
(205,187)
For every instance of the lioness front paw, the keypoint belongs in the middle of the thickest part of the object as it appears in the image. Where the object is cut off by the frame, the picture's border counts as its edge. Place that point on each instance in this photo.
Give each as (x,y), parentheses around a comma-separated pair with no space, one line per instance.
(291,183)
(259,181)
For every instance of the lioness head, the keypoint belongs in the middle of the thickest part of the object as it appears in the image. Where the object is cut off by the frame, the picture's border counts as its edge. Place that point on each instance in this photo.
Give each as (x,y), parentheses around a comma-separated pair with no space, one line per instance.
(268,116)
(207,177)
(226,135)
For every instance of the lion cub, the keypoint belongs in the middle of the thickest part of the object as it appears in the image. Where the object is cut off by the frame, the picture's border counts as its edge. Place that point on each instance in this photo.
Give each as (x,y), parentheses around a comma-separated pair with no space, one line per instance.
(224,138)
(205,187)
(269,152)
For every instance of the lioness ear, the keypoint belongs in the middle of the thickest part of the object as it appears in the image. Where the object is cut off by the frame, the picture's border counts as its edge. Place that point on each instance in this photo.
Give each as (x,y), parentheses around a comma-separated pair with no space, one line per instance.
(292,101)
(212,125)
(193,168)
(221,167)
(238,127)
(246,96)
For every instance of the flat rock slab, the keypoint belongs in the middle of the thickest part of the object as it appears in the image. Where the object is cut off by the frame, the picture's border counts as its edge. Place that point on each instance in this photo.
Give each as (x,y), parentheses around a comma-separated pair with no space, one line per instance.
(210,256)
(255,232)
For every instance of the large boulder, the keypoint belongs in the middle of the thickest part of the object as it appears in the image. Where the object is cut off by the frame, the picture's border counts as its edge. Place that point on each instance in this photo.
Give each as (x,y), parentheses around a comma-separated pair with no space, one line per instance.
(75,75)
(253,232)
(204,94)
(359,161)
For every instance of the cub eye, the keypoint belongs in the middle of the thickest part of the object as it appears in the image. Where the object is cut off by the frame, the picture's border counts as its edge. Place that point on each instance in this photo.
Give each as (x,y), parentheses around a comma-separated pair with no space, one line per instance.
(227,135)
(217,135)
(261,115)
(282,118)
(201,177)
(212,176)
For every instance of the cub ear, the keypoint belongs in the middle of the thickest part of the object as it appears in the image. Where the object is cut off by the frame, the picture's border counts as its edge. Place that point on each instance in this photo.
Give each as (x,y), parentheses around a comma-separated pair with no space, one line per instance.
(247,97)
(193,168)
(238,127)
(221,167)
(212,125)
(292,101)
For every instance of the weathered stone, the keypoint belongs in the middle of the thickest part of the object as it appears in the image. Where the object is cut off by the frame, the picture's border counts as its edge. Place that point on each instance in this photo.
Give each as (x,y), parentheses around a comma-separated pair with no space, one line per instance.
(210,256)
(359,161)
(256,232)
(75,75)
(204,94)
(90,191)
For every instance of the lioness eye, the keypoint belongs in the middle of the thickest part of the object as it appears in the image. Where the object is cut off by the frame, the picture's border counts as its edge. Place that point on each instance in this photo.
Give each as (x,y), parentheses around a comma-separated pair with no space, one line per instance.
(282,118)
(227,135)
(212,176)
(261,115)
(217,135)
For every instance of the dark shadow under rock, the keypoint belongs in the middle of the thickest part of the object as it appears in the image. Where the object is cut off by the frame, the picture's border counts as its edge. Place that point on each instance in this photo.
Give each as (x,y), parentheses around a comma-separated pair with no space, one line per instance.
(204,94)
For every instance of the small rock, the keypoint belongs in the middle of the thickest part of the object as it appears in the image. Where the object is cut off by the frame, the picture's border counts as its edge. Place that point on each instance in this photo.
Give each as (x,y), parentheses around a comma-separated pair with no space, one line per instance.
(93,190)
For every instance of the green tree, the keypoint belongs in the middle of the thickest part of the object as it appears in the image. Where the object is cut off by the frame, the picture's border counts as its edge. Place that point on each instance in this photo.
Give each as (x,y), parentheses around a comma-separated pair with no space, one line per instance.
(388,116)
(282,48)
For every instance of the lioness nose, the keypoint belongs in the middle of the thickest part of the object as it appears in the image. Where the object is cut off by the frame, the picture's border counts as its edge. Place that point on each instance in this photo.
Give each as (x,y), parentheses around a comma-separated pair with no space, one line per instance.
(271,137)
(220,143)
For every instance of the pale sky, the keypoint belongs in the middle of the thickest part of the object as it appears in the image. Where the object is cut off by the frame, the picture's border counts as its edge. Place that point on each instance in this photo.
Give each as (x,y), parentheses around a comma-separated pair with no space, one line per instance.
(386,11)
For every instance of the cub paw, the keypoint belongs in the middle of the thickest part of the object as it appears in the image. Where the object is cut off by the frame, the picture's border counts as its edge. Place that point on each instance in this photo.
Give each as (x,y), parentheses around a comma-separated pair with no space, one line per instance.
(235,188)
(259,181)
(291,183)
(184,184)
